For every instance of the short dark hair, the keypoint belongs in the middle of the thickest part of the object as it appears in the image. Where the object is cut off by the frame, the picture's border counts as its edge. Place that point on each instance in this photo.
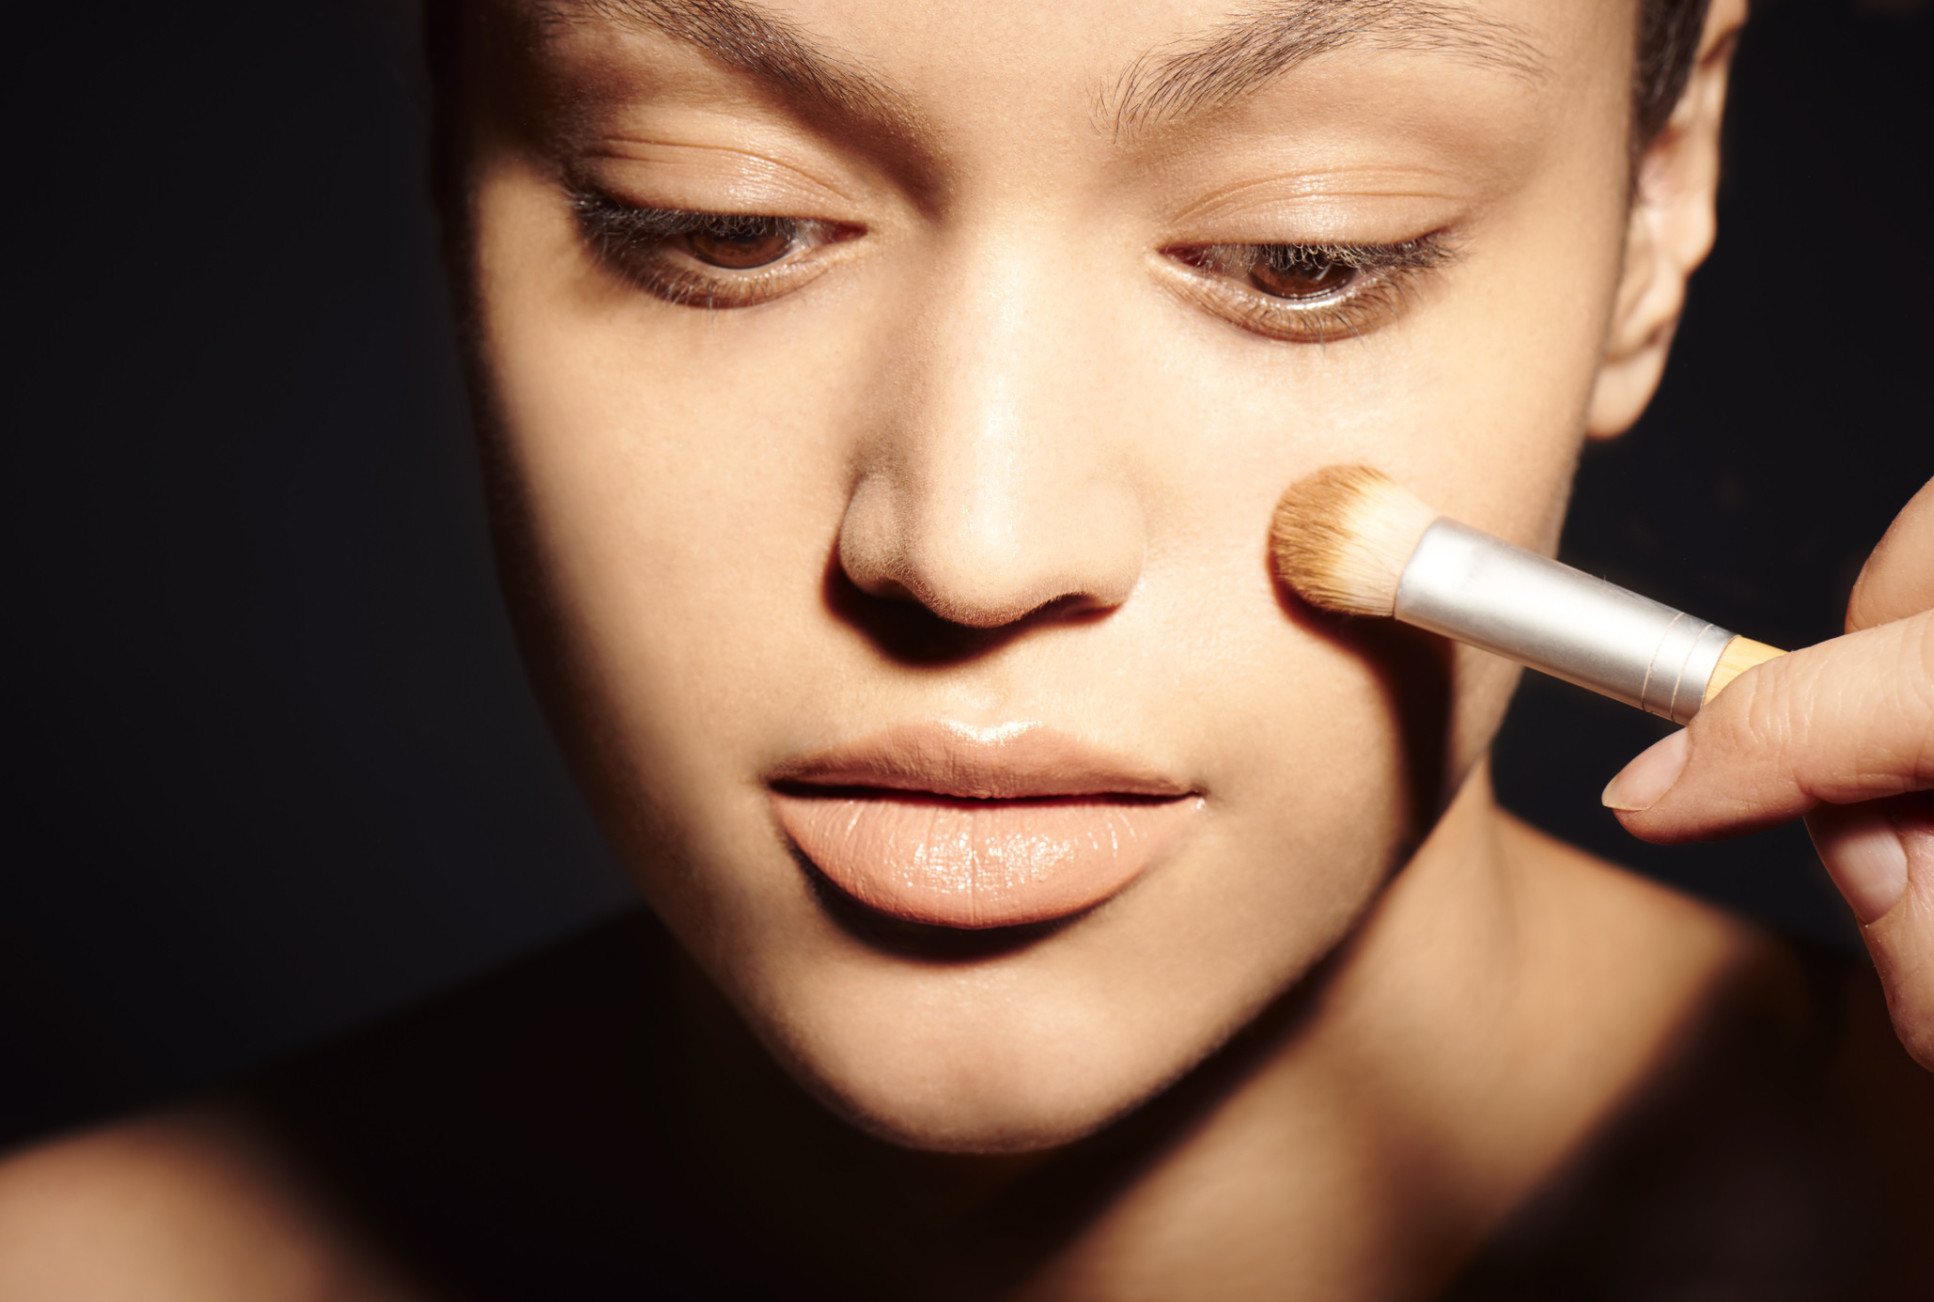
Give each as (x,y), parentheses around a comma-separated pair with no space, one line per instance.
(1668,38)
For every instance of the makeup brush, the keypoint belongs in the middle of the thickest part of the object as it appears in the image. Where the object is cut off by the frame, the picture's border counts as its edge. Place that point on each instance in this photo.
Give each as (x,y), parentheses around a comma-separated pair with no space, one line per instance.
(1353,540)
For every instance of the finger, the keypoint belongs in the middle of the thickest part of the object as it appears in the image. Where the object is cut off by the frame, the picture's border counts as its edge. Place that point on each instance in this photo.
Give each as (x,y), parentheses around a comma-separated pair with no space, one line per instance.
(1898,579)
(1862,847)
(1864,853)
(1846,721)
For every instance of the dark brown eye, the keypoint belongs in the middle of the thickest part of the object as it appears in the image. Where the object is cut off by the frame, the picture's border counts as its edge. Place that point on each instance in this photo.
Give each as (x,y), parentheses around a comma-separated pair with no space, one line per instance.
(1287,271)
(1305,293)
(739,247)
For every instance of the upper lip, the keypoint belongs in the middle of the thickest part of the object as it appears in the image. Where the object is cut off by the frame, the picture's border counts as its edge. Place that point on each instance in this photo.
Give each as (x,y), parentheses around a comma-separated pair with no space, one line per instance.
(1006,762)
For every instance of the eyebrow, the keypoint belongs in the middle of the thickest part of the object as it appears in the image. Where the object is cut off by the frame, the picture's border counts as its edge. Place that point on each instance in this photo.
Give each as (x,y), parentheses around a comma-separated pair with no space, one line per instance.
(1162,87)
(1235,61)
(747,38)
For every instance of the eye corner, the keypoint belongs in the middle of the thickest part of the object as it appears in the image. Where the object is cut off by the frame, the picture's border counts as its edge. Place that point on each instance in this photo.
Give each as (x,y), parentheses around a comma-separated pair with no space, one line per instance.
(1203,257)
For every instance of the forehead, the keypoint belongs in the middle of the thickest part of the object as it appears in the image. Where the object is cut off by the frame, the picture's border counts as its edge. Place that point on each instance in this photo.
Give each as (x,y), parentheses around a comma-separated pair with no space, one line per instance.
(1129,65)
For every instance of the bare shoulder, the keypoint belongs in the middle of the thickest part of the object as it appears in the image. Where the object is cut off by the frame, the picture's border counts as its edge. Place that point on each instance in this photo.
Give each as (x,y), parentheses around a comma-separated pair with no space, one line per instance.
(189,1205)
(1773,1094)
(1628,898)
(1631,933)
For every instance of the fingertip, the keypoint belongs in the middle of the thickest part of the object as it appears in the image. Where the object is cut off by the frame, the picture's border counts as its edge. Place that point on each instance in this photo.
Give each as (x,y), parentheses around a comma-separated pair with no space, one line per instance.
(1646,780)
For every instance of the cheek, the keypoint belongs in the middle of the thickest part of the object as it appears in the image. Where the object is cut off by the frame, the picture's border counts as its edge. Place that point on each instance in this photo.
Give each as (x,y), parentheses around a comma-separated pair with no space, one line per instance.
(683,485)
(674,490)
(1477,401)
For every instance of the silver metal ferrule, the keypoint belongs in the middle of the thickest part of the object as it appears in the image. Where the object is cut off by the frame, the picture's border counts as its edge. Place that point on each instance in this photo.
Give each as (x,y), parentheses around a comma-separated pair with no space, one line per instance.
(1472,587)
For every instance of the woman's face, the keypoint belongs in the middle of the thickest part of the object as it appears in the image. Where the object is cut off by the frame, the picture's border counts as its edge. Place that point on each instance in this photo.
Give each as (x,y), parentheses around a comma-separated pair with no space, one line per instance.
(894,556)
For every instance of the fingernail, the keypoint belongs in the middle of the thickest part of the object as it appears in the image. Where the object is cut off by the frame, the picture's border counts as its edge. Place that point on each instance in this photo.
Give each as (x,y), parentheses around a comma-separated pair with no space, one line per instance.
(1644,782)
(1865,857)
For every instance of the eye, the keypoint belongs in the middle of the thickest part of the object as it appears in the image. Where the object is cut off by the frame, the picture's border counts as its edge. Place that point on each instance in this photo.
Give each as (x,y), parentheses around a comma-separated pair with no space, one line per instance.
(704,259)
(1303,293)
(1294,272)
(741,243)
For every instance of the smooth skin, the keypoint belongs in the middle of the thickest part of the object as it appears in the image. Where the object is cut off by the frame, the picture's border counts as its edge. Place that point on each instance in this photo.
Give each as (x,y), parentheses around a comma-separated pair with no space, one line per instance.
(1361,1017)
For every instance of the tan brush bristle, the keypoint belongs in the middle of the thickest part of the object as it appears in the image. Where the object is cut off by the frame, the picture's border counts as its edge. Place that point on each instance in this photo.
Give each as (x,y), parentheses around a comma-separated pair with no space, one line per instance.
(1342,537)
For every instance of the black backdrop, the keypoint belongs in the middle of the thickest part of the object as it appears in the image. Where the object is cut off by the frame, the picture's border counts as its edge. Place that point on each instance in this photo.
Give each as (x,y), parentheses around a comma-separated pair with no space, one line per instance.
(271,770)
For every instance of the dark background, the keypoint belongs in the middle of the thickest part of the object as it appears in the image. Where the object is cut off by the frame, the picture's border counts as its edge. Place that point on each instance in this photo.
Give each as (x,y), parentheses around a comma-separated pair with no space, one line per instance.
(271,770)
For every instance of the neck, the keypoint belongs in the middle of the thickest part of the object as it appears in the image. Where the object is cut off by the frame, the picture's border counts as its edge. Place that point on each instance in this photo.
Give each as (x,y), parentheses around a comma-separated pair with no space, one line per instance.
(1360,1139)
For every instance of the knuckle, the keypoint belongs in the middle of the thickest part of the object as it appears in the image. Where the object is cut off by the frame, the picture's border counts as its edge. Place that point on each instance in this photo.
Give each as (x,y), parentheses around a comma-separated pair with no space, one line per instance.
(1917,656)
(1746,746)
(1770,717)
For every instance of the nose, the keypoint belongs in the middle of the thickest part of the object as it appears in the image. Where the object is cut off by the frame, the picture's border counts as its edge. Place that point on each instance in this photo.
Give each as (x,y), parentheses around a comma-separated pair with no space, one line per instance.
(996,481)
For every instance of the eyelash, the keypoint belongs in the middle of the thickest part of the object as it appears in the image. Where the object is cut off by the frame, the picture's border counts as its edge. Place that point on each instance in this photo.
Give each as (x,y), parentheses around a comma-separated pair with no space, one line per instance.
(1380,278)
(643,246)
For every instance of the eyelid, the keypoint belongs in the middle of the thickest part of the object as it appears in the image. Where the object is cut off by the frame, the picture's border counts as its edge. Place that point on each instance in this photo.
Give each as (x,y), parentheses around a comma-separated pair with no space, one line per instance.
(1326,207)
(749,176)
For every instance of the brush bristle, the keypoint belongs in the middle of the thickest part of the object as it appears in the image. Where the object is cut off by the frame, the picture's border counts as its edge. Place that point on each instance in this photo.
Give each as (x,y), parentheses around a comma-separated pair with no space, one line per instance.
(1342,537)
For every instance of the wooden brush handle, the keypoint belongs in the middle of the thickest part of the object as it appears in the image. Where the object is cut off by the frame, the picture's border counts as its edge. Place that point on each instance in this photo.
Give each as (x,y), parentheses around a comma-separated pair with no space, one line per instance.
(1741,654)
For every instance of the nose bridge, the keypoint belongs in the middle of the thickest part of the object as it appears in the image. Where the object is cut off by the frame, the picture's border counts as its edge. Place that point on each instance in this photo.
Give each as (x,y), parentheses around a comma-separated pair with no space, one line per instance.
(988,488)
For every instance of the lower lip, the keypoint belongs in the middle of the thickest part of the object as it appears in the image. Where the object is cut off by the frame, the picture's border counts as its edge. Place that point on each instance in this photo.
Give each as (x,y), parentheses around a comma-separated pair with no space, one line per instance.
(980,863)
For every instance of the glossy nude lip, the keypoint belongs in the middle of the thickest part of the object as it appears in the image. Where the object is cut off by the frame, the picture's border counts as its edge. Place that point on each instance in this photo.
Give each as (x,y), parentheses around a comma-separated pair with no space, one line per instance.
(957,827)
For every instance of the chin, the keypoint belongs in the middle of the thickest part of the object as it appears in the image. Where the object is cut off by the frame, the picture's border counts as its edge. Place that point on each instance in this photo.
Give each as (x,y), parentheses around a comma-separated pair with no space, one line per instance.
(978,1111)
(967,1075)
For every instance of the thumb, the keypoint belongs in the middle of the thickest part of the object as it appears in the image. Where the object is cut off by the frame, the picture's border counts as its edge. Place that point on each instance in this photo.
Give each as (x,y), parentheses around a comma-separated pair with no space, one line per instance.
(1881,856)
(1844,722)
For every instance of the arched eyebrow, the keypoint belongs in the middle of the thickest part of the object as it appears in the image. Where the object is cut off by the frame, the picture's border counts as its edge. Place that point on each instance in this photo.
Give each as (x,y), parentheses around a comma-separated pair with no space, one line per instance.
(1171,83)
(746,37)
(1188,78)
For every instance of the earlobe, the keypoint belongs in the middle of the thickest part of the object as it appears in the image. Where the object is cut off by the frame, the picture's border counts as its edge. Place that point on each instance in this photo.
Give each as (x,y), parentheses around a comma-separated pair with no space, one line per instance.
(1670,231)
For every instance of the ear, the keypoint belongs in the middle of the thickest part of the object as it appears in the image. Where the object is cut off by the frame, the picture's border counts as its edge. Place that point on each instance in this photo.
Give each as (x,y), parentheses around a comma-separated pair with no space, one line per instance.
(1669,234)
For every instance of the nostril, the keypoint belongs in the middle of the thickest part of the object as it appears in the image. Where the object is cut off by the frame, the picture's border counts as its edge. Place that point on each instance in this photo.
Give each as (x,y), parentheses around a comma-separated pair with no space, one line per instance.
(914,630)
(984,592)
(886,588)
(988,578)
(1057,609)
(983,537)
(900,625)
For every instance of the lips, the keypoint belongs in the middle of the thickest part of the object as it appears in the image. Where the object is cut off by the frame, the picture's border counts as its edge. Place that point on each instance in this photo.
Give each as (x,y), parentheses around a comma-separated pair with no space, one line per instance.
(957,827)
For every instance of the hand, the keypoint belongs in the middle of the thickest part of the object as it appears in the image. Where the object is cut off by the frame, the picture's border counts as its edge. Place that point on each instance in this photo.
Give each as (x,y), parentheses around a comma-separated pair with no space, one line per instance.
(1842,733)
